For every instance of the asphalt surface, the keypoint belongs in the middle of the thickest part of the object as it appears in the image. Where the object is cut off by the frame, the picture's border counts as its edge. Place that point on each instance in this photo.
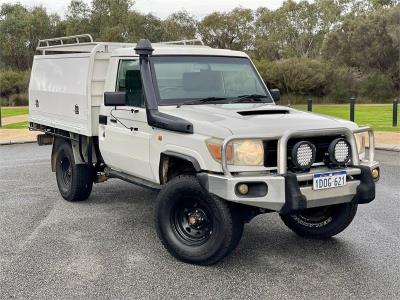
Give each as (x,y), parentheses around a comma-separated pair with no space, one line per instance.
(107,246)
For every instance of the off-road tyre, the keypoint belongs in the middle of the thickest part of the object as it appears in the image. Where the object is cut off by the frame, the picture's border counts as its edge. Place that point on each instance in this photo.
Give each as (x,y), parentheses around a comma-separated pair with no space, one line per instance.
(321,222)
(74,181)
(216,232)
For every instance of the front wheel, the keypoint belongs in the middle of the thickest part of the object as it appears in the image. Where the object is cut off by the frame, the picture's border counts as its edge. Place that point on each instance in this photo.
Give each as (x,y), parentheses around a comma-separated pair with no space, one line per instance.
(74,181)
(193,225)
(321,222)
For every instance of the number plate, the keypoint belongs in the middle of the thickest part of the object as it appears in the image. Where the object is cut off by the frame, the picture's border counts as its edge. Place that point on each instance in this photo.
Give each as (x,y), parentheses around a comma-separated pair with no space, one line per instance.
(329,180)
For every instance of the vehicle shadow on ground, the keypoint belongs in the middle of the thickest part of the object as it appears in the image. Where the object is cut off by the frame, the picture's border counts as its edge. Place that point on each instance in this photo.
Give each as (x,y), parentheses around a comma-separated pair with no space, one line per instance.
(268,245)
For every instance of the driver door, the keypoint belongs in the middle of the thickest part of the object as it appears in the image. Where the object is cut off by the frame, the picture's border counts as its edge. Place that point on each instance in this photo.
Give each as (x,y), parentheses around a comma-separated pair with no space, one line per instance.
(125,143)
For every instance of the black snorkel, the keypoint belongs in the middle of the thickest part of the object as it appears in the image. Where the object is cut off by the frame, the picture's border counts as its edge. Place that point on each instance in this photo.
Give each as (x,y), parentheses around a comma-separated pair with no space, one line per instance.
(155,118)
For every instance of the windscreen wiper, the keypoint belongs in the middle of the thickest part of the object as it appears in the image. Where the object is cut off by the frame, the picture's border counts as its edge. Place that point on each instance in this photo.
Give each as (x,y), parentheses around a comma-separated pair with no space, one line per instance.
(203,100)
(249,98)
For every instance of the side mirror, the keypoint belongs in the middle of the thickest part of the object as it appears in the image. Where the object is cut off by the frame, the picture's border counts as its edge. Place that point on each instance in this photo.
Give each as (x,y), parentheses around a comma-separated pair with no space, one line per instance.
(276,94)
(115,98)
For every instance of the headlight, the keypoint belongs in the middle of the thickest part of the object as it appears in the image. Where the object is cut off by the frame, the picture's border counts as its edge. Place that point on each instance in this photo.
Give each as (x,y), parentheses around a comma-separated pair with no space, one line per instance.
(248,153)
(361,140)
(238,152)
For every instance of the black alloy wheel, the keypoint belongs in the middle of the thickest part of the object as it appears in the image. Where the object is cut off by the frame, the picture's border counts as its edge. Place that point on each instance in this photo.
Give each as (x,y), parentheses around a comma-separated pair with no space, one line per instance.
(193,225)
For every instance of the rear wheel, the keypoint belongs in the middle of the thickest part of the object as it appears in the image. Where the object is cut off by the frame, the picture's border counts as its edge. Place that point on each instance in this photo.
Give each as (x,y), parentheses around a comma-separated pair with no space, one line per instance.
(321,222)
(193,225)
(74,181)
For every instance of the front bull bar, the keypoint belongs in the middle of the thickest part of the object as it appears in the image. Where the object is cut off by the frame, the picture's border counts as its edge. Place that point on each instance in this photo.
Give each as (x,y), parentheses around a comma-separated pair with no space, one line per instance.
(288,134)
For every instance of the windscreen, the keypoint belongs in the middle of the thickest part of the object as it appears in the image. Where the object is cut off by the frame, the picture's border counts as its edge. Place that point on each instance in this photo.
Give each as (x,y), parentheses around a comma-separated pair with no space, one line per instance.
(187,78)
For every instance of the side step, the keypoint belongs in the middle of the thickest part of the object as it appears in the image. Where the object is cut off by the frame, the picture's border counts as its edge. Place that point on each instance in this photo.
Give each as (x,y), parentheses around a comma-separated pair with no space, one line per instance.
(132,179)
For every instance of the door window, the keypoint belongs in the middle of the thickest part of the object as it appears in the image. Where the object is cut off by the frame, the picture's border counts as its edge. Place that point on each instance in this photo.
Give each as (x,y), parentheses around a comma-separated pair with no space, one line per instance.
(130,81)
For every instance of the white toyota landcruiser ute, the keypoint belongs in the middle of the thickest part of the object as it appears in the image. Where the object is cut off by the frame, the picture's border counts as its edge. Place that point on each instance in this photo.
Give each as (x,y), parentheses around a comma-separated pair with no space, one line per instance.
(199,125)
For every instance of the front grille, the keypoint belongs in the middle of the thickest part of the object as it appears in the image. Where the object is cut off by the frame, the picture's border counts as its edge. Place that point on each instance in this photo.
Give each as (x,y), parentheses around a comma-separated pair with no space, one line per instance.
(270,153)
(321,144)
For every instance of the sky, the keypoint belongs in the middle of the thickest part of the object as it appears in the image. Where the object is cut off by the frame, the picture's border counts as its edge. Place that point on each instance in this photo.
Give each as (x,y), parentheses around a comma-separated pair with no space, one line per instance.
(163,8)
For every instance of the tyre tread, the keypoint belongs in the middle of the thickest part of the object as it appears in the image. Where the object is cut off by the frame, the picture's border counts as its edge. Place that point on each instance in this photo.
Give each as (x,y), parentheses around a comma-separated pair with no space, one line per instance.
(346,216)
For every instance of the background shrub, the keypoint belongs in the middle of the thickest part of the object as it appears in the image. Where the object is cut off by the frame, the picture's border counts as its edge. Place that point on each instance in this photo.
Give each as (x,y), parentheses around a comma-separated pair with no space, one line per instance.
(19,100)
(342,84)
(13,82)
(300,76)
(377,86)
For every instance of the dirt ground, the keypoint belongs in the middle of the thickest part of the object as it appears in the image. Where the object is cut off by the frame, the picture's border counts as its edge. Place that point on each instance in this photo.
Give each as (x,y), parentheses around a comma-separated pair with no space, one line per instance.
(8,136)
(14,119)
(391,138)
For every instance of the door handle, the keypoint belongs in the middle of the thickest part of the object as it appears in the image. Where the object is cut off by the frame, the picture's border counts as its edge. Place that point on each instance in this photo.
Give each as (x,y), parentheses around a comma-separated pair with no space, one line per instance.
(113,121)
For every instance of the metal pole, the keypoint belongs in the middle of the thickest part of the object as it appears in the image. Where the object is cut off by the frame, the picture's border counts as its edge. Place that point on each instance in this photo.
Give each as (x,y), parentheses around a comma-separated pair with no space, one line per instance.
(395,106)
(309,104)
(0,115)
(352,104)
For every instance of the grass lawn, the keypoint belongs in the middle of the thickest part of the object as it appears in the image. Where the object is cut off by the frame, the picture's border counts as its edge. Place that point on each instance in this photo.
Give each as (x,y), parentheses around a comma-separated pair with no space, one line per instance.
(377,116)
(21,125)
(13,111)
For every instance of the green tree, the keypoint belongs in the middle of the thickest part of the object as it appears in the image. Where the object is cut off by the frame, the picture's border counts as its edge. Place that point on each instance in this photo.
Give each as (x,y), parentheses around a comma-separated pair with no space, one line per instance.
(366,42)
(232,30)
(144,26)
(152,28)
(20,30)
(354,8)
(320,47)
(179,26)
(294,29)
(13,35)
(109,19)
(78,18)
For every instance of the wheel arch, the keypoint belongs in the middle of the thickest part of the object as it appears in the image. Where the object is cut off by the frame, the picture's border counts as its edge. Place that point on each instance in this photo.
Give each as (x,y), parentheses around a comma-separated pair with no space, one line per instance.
(84,149)
(182,163)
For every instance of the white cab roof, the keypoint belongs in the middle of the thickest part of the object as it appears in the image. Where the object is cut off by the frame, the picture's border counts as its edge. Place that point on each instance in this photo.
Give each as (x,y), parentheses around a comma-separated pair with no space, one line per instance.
(160,49)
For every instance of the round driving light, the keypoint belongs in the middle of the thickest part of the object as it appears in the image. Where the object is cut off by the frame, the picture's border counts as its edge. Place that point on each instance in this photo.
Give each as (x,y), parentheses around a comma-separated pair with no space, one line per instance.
(339,152)
(303,155)
(243,188)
